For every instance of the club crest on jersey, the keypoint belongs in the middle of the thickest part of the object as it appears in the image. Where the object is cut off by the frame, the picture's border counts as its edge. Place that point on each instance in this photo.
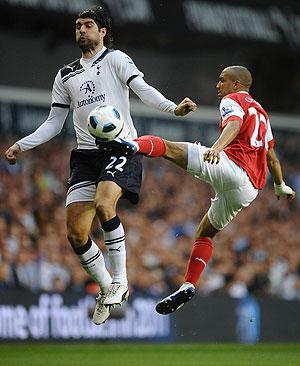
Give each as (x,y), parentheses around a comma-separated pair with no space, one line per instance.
(226,110)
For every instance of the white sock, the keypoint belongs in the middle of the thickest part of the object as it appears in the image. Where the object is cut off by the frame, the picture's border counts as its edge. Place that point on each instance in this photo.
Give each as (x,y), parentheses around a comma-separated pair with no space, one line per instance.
(93,263)
(115,244)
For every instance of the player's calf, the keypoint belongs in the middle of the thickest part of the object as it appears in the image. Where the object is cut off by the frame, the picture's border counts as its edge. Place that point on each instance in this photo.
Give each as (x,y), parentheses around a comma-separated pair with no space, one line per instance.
(151,146)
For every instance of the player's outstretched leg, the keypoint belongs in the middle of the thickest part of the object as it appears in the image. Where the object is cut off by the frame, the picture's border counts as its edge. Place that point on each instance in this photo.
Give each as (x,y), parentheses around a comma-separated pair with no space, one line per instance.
(118,147)
(176,300)
(151,146)
(148,145)
(200,255)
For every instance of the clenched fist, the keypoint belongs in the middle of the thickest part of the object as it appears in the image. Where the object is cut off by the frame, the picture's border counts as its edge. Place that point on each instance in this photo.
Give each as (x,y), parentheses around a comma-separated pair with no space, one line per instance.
(11,153)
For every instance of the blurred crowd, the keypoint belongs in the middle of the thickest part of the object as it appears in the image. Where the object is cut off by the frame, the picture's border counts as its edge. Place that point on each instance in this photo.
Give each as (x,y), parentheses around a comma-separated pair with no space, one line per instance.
(259,252)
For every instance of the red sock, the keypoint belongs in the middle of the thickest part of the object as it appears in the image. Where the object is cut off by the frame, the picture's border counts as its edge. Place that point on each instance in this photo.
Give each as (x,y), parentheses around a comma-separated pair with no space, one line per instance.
(152,146)
(200,256)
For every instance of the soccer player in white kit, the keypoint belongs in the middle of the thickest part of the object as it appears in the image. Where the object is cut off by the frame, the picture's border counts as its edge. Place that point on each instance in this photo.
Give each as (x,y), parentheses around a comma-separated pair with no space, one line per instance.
(99,177)
(242,154)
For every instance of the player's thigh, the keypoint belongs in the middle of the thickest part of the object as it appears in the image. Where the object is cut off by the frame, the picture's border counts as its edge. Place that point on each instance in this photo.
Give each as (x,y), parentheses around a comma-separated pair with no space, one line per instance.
(213,174)
(177,152)
(227,204)
(195,164)
(79,217)
(108,193)
(224,176)
(107,196)
(126,173)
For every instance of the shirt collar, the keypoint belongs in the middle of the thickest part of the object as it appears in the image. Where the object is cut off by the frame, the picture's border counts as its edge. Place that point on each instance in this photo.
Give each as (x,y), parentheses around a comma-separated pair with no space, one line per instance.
(93,58)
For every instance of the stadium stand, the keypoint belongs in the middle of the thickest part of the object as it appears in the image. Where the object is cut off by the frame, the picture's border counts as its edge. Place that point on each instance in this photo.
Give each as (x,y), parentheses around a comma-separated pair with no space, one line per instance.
(258,252)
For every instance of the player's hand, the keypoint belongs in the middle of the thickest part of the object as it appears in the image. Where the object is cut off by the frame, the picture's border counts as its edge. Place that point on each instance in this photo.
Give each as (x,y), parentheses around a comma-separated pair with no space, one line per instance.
(282,190)
(185,107)
(211,156)
(11,153)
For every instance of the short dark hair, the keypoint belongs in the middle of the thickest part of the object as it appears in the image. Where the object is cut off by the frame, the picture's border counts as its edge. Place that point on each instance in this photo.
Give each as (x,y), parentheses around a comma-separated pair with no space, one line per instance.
(101,15)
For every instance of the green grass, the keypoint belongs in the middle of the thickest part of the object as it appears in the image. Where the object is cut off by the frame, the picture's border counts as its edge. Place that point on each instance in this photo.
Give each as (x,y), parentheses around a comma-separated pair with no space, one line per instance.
(121,354)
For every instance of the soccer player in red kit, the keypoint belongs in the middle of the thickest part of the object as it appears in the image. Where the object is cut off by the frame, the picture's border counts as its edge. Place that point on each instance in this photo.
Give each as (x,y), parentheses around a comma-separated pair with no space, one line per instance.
(235,166)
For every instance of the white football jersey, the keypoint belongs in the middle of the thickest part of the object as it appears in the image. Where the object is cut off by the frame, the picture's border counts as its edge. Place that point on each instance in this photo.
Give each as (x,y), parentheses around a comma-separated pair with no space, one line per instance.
(100,80)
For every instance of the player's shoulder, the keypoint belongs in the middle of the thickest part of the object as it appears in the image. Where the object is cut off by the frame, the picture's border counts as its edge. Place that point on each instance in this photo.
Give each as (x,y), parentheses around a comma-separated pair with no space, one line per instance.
(244,99)
(230,100)
(119,55)
(70,68)
(238,97)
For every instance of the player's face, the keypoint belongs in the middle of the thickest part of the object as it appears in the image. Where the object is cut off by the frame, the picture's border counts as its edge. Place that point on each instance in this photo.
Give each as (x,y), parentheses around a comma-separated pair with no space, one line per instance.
(88,35)
(226,84)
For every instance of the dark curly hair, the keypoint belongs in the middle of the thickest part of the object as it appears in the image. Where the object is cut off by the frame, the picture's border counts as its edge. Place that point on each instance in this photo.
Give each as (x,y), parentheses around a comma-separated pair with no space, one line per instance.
(101,15)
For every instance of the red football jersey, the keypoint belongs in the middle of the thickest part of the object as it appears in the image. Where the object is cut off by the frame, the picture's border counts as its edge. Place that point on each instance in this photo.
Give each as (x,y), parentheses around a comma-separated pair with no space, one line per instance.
(248,150)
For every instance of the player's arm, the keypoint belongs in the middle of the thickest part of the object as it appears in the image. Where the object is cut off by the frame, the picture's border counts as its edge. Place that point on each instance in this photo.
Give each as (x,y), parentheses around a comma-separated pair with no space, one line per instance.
(131,76)
(232,116)
(281,189)
(153,98)
(228,134)
(50,128)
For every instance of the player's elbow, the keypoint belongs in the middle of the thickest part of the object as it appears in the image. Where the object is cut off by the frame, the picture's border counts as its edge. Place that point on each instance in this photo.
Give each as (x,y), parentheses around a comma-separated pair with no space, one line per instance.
(272,162)
(272,158)
(235,127)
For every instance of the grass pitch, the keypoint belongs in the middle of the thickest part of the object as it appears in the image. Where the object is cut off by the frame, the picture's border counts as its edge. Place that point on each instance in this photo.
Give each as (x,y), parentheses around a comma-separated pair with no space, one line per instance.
(121,354)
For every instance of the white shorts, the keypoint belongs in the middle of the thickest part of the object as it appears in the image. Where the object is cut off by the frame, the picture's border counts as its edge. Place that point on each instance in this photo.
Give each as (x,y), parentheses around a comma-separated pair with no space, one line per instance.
(81,192)
(231,183)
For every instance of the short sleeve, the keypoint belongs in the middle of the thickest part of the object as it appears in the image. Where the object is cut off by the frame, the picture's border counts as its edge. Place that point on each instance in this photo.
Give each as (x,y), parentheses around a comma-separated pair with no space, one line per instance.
(125,67)
(230,110)
(269,137)
(60,95)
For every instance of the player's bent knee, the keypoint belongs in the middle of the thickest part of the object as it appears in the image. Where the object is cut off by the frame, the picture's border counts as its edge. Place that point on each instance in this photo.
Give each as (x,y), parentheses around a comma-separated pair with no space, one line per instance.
(105,210)
(76,238)
(206,229)
(103,206)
